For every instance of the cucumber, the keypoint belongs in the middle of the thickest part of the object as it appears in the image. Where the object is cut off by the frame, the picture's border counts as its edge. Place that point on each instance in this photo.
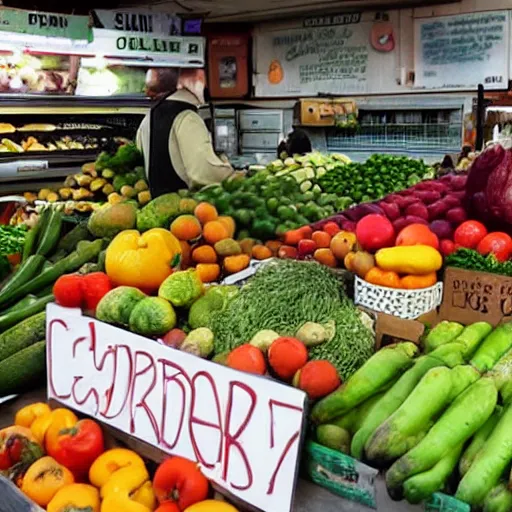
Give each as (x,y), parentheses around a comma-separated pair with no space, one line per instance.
(442,333)
(69,241)
(333,437)
(23,369)
(86,251)
(26,271)
(44,218)
(22,335)
(23,303)
(472,336)
(420,487)
(458,423)
(31,241)
(51,235)
(369,380)
(499,499)
(392,439)
(353,420)
(489,465)
(9,319)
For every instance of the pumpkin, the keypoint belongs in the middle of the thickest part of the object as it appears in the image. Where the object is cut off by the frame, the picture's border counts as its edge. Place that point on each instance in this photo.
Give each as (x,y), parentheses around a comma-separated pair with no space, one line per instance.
(143,261)
(275,72)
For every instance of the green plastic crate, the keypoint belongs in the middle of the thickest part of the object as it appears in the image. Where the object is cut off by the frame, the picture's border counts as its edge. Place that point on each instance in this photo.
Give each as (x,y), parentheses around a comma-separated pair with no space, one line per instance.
(443,503)
(341,474)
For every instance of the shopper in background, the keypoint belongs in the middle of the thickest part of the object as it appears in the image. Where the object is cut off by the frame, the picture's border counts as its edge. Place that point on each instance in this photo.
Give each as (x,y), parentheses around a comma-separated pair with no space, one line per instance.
(297,143)
(174,140)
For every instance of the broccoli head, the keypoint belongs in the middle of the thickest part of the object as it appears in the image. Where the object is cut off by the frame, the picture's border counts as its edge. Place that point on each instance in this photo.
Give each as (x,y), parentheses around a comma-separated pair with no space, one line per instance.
(126,158)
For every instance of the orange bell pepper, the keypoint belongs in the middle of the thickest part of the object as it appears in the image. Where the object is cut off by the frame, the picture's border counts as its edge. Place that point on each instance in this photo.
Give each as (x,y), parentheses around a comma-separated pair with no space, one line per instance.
(63,417)
(75,446)
(384,278)
(28,414)
(44,479)
(417,282)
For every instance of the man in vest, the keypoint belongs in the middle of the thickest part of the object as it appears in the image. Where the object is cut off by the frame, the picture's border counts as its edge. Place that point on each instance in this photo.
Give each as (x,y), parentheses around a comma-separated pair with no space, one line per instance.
(174,140)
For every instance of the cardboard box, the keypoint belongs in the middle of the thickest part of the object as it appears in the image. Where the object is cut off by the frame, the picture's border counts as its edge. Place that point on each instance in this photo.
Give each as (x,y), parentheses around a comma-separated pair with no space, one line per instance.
(476,296)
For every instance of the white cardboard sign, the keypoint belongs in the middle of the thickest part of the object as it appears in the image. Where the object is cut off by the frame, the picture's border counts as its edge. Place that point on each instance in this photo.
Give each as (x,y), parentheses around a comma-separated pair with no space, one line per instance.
(244,430)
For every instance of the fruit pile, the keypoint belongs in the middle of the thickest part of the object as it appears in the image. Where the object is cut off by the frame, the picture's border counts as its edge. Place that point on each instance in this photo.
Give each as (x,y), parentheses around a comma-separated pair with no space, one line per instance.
(60,463)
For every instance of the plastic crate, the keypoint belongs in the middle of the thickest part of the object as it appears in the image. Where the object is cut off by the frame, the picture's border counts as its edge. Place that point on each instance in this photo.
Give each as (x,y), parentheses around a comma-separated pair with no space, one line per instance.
(408,304)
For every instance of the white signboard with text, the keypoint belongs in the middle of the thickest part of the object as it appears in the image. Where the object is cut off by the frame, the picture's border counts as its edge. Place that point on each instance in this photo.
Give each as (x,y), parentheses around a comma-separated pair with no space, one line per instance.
(352,53)
(462,51)
(245,431)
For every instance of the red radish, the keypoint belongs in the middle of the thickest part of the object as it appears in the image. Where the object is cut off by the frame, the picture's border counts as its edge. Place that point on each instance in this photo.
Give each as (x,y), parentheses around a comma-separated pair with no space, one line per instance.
(497,243)
(375,232)
(306,248)
(174,338)
(447,247)
(469,234)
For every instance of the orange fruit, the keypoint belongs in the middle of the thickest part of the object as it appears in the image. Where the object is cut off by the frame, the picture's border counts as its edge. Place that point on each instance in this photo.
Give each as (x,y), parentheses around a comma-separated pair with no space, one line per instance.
(234,264)
(214,231)
(229,224)
(204,254)
(261,252)
(205,212)
(186,227)
(185,254)
(326,257)
(208,272)
(322,239)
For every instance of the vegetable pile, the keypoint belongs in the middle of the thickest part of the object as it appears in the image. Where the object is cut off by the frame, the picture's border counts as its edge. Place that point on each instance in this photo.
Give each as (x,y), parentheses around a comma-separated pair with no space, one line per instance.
(422,417)
(12,239)
(378,176)
(60,463)
(282,297)
(472,260)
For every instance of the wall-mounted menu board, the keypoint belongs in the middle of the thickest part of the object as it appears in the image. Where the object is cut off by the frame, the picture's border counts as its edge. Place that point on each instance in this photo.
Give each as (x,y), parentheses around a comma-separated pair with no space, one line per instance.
(462,51)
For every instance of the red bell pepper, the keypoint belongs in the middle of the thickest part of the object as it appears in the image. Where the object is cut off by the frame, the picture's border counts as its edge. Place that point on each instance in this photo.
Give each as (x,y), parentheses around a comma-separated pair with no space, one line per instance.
(77,447)
(180,481)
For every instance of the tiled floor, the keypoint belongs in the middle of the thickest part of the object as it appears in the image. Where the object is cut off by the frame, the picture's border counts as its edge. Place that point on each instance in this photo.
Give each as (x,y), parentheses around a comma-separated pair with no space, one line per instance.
(309,497)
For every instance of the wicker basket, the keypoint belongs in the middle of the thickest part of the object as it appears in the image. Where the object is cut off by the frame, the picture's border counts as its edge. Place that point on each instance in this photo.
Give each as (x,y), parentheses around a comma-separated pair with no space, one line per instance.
(408,304)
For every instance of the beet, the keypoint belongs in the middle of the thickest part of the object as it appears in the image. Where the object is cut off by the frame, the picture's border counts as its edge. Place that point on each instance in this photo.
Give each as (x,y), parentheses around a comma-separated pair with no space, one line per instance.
(356,213)
(437,186)
(451,201)
(458,181)
(438,209)
(499,189)
(404,201)
(403,222)
(456,216)
(417,210)
(348,225)
(427,196)
(442,228)
(391,210)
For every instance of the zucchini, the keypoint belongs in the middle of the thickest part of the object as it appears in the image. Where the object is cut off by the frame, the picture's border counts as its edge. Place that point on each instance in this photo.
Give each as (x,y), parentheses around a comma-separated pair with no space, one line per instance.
(31,241)
(472,336)
(22,335)
(9,319)
(353,420)
(498,343)
(499,499)
(442,333)
(51,235)
(369,380)
(26,271)
(23,369)
(489,465)
(421,486)
(392,439)
(458,423)
(86,251)
(23,303)
(69,241)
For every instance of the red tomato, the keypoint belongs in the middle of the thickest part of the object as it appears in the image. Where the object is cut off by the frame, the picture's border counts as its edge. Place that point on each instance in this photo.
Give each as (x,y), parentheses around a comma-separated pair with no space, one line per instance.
(499,244)
(469,234)
(332,228)
(180,480)
(417,234)
(375,232)
(447,247)
(306,248)
(305,231)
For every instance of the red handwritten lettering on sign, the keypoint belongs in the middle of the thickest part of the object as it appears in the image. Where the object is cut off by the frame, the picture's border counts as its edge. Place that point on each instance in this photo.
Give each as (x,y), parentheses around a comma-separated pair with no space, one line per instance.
(176,405)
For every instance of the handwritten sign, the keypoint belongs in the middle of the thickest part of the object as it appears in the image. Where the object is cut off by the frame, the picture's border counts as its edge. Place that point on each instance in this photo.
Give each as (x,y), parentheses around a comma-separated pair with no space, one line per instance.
(143,21)
(476,296)
(332,54)
(244,430)
(462,51)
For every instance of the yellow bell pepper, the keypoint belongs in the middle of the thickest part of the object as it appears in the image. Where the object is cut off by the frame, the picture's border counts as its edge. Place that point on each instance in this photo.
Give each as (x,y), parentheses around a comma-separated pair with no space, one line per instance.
(211,506)
(111,461)
(28,414)
(142,260)
(41,424)
(44,478)
(75,497)
(415,259)
(125,488)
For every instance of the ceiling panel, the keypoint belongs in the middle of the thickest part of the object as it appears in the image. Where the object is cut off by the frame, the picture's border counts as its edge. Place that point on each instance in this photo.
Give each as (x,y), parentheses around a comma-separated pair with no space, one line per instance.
(253,10)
